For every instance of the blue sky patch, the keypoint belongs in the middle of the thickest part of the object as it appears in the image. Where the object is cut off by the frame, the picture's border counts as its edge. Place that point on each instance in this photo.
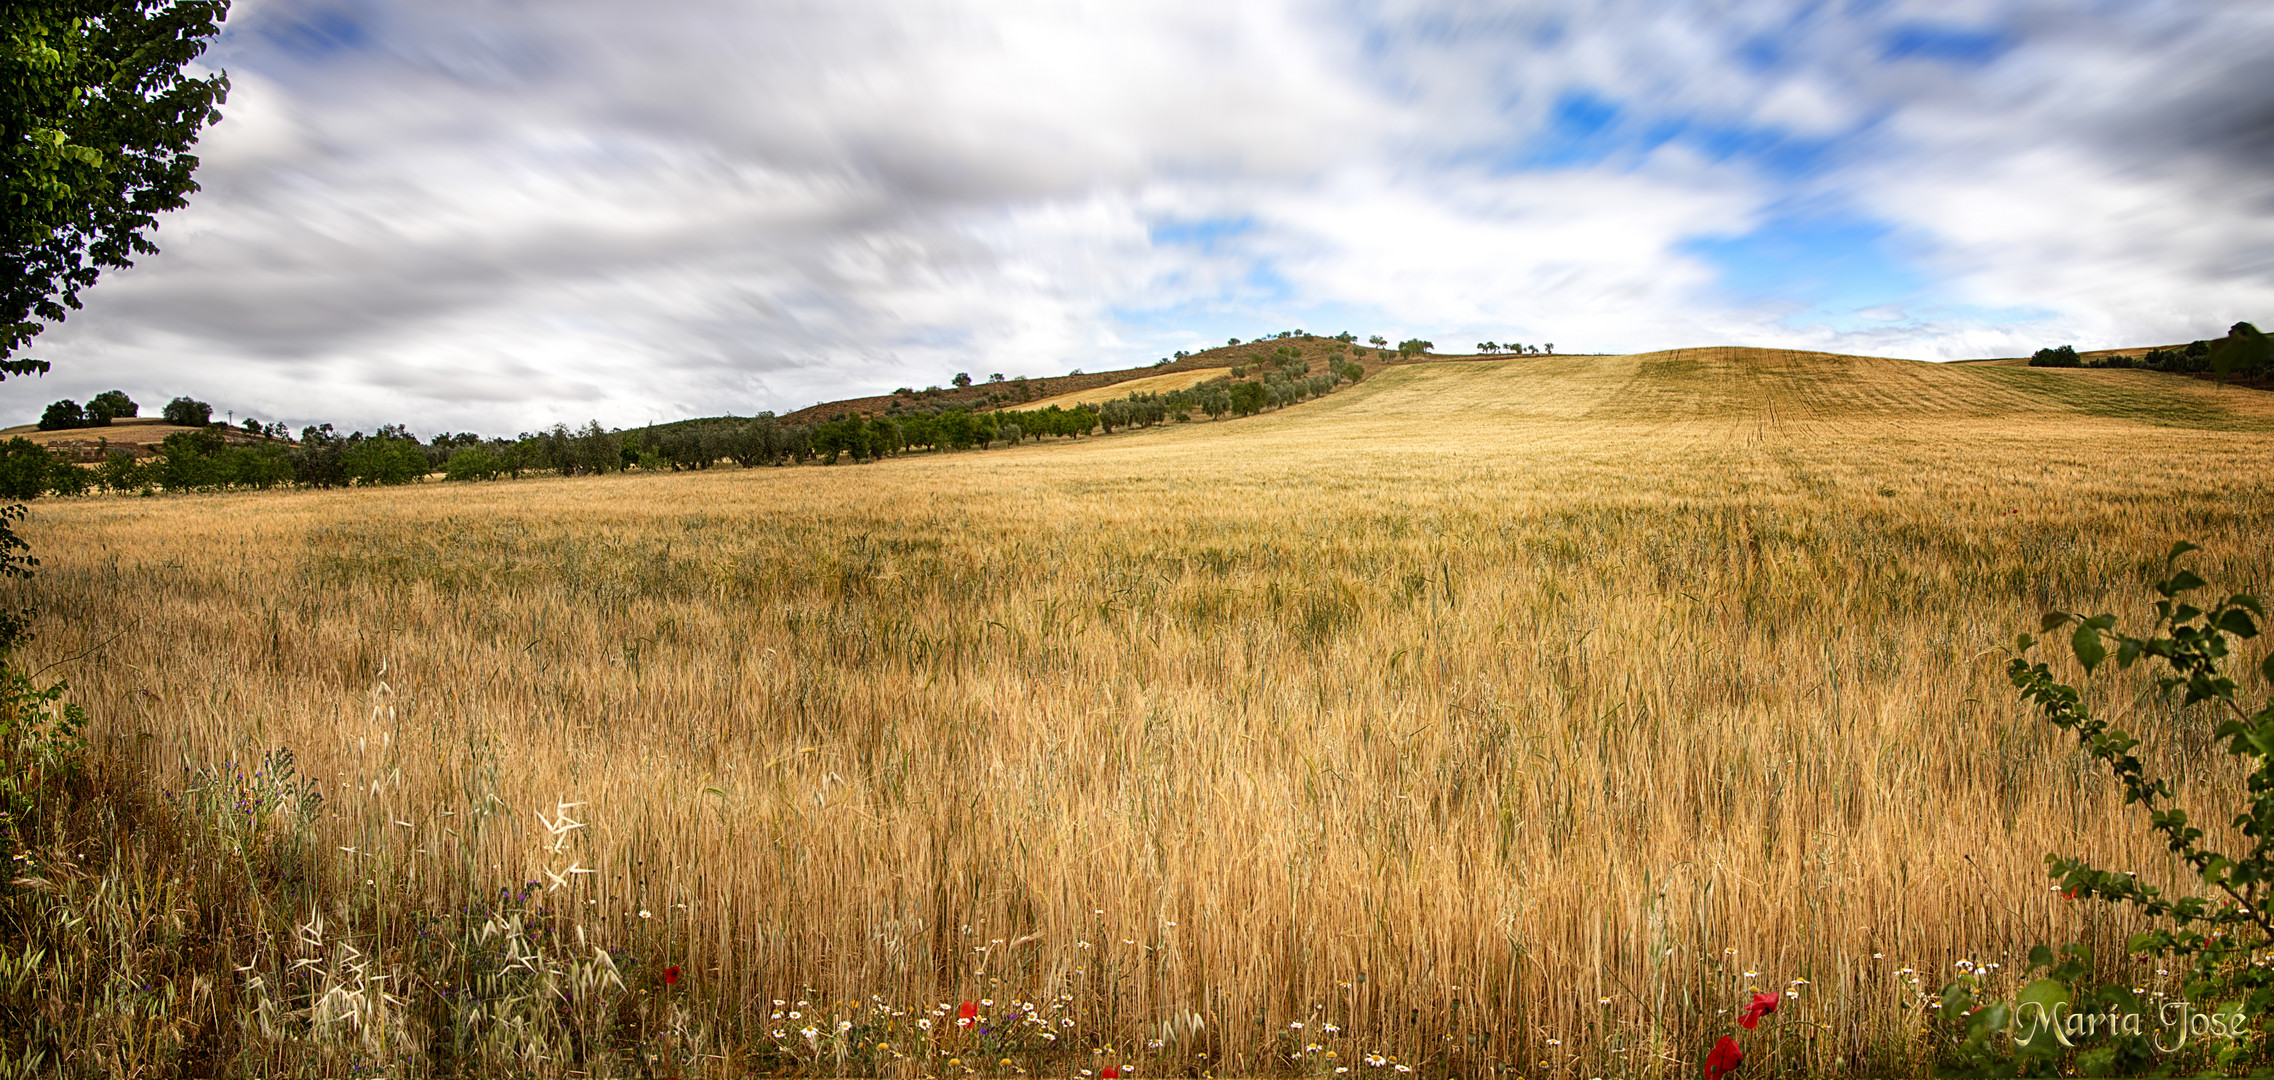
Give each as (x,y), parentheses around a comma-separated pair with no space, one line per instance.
(314,34)
(1948,44)
(1202,234)
(1830,263)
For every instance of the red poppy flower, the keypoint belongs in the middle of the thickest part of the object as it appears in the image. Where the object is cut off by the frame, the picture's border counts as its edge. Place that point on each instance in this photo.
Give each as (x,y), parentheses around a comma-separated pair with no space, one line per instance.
(1724,1059)
(671,975)
(965,1016)
(1763,1005)
(1109,1073)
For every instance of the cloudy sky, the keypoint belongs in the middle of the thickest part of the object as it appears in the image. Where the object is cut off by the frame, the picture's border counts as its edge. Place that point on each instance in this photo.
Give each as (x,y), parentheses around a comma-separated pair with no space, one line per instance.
(493,215)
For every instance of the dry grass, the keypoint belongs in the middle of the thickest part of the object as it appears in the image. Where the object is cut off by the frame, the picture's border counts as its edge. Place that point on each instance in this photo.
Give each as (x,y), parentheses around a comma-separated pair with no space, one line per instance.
(1150,384)
(1508,712)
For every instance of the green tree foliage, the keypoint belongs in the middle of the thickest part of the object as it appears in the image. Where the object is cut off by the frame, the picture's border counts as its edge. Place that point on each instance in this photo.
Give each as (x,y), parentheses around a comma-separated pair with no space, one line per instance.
(962,379)
(1247,398)
(122,471)
(474,463)
(188,412)
(2064,356)
(26,469)
(110,405)
(381,461)
(203,460)
(63,416)
(96,120)
(1415,347)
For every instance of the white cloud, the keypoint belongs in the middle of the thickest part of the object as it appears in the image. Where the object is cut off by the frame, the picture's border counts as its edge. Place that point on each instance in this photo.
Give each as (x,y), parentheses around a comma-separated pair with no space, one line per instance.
(489,216)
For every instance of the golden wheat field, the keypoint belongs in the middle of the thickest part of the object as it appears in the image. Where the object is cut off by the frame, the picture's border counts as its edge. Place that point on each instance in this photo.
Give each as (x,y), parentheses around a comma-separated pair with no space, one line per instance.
(1504,716)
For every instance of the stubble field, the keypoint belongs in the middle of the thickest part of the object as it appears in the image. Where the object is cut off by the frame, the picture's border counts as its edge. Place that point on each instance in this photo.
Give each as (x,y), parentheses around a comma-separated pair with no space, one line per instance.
(1514,715)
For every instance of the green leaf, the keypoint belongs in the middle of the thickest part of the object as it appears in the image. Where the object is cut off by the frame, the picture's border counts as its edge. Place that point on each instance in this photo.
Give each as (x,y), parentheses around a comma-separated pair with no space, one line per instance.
(2185,581)
(2267,668)
(2179,549)
(2090,652)
(2036,1024)
(2236,621)
(2054,620)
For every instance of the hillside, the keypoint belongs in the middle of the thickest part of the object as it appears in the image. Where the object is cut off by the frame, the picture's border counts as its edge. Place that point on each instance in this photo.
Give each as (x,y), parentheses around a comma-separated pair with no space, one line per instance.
(1760,390)
(1095,386)
(139,435)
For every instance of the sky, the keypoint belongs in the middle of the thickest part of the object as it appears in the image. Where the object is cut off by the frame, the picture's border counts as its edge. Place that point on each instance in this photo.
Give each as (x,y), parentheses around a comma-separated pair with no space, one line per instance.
(497,215)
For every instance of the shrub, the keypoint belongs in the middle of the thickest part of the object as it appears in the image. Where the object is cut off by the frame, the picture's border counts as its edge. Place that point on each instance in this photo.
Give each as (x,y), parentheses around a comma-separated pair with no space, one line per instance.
(2065,356)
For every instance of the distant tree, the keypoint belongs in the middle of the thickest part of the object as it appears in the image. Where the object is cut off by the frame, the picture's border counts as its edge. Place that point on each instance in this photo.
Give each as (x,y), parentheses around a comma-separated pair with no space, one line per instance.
(63,416)
(1231,341)
(1010,433)
(1378,341)
(1414,347)
(1550,348)
(187,412)
(961,380)
(252,427)
(1487,347)
(996,377)
(2065,356)
(1247,398)
(904,392)
(110,405)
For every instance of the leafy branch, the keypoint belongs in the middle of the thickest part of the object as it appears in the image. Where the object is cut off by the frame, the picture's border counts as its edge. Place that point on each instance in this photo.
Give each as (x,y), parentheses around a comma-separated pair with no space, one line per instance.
(2192,642)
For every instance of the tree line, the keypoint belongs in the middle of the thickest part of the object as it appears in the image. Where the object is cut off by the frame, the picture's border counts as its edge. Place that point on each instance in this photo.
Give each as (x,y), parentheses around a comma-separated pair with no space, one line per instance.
(251,456)
(2244,351)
